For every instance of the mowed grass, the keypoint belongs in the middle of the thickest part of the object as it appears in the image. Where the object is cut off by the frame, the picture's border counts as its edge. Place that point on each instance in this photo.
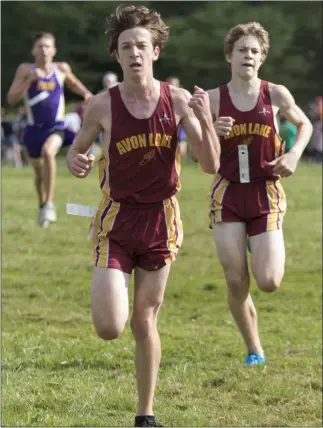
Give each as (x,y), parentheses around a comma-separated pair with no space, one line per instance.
(57,372)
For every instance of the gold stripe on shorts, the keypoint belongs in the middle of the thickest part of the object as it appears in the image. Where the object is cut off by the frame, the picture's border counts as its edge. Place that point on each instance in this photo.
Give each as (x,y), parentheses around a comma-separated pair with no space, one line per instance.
(174,227)
(219,187)
(178,168)
(104,220)
(277,205)
(279,145)
(103,166)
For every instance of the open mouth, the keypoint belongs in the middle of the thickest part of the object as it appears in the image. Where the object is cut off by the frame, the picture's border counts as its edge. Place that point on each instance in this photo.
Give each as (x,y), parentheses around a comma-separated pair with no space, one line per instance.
(247,65)
(135,65)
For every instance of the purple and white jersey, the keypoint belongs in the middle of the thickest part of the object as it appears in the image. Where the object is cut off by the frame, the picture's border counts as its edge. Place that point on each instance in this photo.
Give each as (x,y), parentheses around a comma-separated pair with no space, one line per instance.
(44,101)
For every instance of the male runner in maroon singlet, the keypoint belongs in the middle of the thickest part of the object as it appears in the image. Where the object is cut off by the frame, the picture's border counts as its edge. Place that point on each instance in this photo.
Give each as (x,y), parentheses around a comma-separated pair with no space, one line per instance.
(137,225)
(247,198)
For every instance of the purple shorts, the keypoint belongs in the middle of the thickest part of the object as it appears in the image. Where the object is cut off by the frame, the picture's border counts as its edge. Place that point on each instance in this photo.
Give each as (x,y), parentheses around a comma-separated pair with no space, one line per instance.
(68,137)
(35,137)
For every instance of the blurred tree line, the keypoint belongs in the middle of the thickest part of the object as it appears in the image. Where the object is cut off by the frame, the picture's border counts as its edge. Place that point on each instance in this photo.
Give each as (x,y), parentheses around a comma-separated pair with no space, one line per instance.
(195,49)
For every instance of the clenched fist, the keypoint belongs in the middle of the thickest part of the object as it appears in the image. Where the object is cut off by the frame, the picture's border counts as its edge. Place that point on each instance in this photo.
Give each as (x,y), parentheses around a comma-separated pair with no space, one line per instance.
(200,103)
(80,165)
(285,165)
(223,125)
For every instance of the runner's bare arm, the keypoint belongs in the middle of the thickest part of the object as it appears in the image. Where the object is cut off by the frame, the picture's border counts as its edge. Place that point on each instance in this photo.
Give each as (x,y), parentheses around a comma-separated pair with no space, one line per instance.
(286,104)
(78,161)
(200,133)
(90,129)
(191,153)
(73,83)
(21,82)
(214,97)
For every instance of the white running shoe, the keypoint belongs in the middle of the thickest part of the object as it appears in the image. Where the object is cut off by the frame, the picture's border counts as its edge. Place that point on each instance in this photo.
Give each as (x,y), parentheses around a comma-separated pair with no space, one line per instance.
(49,212)
(42,221)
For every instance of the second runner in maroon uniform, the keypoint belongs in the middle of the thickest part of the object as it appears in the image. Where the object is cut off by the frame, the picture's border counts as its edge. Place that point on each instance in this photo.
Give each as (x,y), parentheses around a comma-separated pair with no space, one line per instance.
(137,225)
(247,198)
(246,188)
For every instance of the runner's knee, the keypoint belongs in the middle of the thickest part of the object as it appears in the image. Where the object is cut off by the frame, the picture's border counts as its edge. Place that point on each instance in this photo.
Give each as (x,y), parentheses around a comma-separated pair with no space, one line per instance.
(268,284)
(109,300)
(109,331)
(143,322)
(238,284)
(47,152)
(141,326)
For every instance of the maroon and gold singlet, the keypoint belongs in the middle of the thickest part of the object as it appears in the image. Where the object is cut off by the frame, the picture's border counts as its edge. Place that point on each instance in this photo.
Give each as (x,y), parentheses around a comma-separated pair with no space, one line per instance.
(253,141)
(143,164)
(246,189)
(138,220)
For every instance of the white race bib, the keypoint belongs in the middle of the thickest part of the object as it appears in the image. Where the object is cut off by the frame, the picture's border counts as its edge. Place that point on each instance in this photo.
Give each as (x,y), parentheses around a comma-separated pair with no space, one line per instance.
(244,163)
(81,210)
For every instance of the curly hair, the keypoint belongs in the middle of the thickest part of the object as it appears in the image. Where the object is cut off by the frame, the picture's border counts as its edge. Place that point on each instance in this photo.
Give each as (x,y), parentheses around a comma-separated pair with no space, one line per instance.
(131,16)
(250,29)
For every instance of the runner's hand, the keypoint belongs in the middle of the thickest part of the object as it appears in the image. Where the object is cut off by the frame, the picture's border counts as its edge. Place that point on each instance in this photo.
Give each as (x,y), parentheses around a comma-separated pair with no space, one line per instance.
(200,103)
(223,125)
(285,165)
(80,165)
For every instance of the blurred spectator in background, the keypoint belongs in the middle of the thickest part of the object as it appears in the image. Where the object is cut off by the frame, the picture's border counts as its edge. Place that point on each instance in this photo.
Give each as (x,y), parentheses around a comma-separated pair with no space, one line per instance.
(316,142)
(72,124)
(287,132)
(10,146)
(174,81)
(19,124)
(110,80)
(315,113)
(73,119)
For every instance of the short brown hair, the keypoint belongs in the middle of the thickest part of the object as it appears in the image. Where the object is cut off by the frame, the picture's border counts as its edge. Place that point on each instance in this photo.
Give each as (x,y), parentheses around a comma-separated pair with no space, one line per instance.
(131,16)
(251,28)
(43,34)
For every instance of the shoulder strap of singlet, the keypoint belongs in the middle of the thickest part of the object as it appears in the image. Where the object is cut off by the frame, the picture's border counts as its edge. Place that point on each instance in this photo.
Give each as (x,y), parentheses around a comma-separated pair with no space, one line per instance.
(56,69)
(263,84)
(166,97)
(225,99)
(224,92)
(164,88)
(115,95)
(264,91)
(117,105)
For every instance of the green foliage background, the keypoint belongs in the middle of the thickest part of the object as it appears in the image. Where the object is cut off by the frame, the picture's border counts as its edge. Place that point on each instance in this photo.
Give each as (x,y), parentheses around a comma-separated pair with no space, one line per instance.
(195,48)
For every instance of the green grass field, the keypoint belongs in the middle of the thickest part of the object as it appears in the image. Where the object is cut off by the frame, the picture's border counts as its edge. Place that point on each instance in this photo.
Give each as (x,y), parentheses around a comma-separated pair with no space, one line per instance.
(57,372)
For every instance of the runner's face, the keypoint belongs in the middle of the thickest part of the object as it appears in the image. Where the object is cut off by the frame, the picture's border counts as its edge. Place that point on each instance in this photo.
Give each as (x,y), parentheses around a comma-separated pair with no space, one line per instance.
(246,57)
(44,49)
(136,52)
